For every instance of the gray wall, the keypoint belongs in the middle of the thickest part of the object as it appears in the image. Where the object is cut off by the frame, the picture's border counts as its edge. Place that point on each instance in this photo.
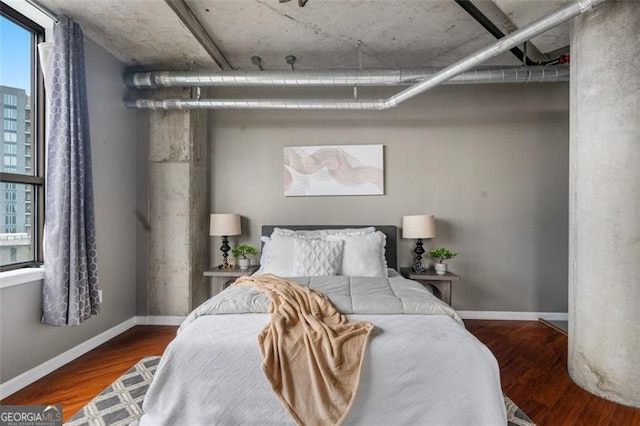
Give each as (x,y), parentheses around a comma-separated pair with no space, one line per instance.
(24,341)
(491,162)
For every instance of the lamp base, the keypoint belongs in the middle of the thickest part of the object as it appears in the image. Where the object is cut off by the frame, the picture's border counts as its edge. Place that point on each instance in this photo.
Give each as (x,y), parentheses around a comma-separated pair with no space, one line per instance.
(225,253)
(419,267)
(419,251)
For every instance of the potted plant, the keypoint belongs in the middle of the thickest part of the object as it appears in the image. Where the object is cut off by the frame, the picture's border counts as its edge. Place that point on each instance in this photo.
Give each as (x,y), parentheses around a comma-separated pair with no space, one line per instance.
(241,252)
(441,254)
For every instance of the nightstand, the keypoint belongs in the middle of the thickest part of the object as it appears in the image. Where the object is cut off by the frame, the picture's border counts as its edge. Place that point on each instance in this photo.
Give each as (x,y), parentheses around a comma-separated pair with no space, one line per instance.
(440,283)
(222,278)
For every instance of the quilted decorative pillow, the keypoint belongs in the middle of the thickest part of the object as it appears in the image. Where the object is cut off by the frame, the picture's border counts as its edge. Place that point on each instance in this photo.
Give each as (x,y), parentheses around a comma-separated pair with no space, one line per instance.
(315,258)
(362,255)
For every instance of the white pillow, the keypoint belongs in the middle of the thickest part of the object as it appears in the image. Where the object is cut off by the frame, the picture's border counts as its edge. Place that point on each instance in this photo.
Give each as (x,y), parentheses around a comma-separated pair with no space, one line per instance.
(279,259)
(316,258)
(266,247)
(349,231)
(299,234)
(362,255)
(318,233)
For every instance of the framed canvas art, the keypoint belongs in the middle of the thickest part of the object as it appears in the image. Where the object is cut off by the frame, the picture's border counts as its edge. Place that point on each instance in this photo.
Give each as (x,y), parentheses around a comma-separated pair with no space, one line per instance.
(333,170)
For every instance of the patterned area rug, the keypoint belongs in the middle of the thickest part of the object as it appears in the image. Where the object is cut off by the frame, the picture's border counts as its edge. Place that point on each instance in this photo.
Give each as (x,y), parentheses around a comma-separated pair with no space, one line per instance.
(121,403)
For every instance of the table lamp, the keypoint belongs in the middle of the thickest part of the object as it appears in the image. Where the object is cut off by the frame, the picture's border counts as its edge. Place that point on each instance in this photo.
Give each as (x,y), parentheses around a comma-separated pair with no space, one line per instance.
(224,225)
(419,227)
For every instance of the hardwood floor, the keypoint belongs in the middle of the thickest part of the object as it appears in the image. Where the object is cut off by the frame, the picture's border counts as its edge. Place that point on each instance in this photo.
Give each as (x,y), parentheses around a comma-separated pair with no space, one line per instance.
(533,359)
(531,355)
(76,383)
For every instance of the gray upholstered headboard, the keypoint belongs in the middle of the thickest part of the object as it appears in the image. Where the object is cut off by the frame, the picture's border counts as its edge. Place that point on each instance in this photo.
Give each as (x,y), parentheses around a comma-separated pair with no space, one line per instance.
(390,231)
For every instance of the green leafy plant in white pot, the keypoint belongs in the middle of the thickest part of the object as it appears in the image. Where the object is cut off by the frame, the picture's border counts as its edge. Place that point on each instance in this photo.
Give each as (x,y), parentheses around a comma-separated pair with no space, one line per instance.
(440,255)
(241,253)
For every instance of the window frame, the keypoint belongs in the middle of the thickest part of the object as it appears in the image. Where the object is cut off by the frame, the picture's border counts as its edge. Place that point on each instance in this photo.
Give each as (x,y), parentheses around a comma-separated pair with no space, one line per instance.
(37,140)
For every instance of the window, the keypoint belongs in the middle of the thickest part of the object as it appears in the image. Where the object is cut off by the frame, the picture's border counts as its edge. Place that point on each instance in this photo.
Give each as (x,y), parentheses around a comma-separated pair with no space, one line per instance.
(10,148)
(10,99)
(10,137)
(10,160)
(22,165)
(11,113)
(11,125)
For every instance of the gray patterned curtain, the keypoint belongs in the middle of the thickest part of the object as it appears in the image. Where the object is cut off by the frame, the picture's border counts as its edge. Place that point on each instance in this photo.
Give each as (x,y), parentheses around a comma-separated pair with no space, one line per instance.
(70,291)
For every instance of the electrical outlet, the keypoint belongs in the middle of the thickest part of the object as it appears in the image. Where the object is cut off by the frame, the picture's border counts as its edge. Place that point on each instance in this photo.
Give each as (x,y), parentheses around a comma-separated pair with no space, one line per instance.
(99,296)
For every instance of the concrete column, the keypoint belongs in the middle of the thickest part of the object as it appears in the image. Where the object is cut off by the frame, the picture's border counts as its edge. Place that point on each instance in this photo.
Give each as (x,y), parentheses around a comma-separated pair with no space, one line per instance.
(604,206)
(178,216)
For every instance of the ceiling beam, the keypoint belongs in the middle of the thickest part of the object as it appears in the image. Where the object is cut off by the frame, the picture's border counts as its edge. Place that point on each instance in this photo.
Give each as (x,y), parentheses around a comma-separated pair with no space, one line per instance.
(488,25)
(189,19)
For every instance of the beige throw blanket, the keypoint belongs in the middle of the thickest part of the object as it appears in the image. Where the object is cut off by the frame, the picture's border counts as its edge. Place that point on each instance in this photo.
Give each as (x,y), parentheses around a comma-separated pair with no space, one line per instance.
(312,355)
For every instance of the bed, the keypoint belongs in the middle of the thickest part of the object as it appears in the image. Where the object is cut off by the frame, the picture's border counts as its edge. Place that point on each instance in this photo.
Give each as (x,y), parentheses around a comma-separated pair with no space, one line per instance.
(420,367)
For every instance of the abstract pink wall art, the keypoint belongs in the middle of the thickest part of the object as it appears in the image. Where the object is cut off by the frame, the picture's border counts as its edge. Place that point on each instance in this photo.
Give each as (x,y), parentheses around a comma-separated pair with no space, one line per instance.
(333,170)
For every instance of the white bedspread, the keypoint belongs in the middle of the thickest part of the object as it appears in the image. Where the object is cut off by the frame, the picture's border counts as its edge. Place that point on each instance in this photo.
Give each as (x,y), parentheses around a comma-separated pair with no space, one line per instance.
(349,295)
(418,370)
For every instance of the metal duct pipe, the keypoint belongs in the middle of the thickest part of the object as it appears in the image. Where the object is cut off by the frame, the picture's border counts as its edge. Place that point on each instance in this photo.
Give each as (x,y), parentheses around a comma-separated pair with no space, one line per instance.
(155,80)
(525,33)
(563,14)
(256,104)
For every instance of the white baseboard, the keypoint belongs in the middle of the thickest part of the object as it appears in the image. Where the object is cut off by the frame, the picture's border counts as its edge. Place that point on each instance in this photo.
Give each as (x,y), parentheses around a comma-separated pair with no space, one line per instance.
(159,320)
(513,315)
(38,372)
(30,376)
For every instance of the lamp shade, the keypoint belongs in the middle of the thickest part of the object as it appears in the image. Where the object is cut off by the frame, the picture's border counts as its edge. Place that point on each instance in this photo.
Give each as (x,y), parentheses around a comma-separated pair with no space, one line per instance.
(224,224)
(419,226)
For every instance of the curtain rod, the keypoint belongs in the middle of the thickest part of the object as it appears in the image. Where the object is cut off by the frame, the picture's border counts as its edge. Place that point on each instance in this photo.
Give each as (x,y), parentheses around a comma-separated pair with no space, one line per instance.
(44,10)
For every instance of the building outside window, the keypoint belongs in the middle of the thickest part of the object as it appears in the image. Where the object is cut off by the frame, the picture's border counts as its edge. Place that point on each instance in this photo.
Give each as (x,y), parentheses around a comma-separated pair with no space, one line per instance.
(22,150)
(10,160)
(10,99)
(11,125)
(10,148)
(10,113)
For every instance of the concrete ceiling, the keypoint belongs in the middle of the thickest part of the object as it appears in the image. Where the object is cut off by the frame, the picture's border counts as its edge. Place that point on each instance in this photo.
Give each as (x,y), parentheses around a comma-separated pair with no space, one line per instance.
(522,12)
(322,35)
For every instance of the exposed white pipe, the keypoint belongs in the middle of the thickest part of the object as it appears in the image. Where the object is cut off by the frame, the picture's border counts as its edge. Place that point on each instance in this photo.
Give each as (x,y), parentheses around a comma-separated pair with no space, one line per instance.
(563,14)
(154,80)
(256,104)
